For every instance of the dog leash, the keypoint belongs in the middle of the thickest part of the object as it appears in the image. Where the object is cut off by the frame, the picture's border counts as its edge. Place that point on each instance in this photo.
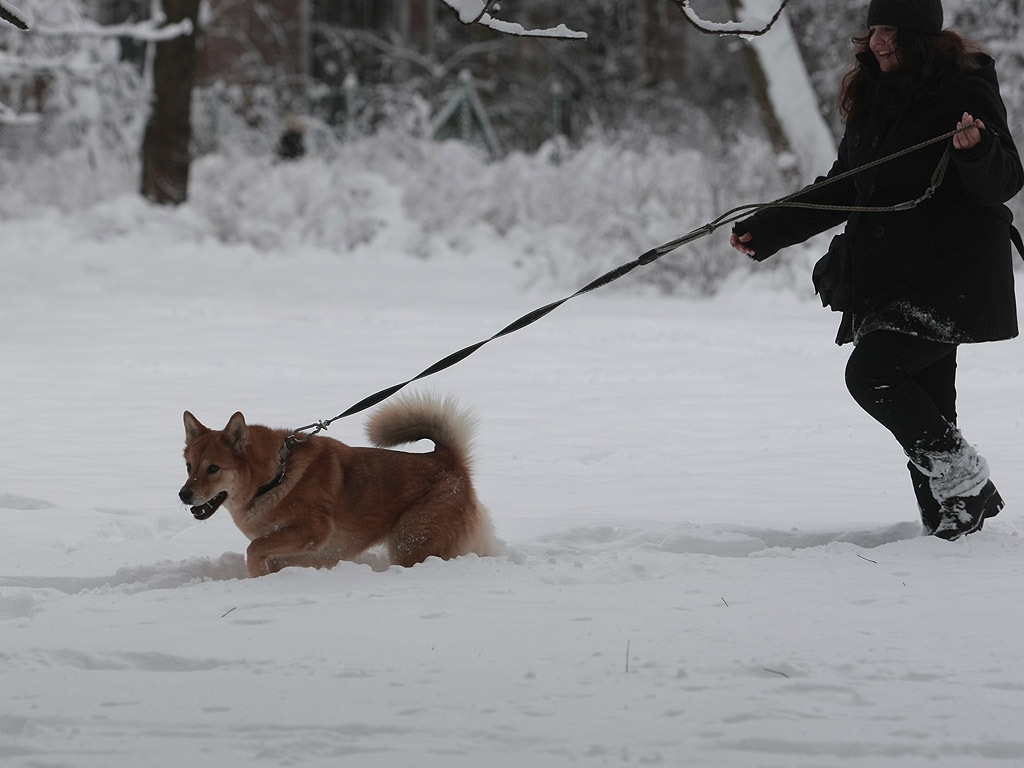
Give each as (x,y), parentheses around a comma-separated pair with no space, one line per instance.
(302,434)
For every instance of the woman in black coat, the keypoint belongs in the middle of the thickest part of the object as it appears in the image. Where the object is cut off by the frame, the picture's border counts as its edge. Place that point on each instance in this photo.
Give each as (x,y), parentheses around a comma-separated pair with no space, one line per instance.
(914,284)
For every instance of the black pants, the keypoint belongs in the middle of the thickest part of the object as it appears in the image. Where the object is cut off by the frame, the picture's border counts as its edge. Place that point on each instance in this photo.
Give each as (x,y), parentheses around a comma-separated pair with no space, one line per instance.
(908,385)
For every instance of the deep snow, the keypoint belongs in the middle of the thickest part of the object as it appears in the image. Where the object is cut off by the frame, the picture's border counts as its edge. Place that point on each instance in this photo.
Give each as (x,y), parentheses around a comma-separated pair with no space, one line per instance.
(711,556)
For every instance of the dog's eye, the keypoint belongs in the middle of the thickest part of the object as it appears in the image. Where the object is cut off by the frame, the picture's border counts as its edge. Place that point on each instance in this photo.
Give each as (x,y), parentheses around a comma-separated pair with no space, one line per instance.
(213,469)
(188,467)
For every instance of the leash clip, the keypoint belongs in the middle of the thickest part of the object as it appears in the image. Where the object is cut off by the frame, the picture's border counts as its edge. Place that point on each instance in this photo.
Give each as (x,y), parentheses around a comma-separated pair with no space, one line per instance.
(297,437)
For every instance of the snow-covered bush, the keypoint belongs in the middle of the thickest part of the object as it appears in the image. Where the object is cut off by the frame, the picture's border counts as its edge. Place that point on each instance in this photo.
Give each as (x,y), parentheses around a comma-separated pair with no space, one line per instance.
(69,182)
(598,206)
(571,213)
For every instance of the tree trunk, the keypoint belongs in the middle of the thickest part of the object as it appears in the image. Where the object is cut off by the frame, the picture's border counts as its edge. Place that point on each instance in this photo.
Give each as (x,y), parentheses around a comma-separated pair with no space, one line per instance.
(665,31)
(165,146)
(789,107)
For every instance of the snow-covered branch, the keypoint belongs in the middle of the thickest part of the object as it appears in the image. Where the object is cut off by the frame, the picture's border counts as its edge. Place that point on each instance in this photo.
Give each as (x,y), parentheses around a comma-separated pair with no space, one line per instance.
(752,26)
(12,15)
(479,12)
(149,31)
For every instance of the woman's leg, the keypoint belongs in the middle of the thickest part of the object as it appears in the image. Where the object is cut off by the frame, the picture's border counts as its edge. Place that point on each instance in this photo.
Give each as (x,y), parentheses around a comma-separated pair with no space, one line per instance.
(907,384)
(896,379)
(939,382)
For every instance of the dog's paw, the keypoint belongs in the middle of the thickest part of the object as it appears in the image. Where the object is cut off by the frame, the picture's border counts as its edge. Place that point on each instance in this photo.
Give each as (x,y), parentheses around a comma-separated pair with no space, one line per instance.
(257,565)
(262,565)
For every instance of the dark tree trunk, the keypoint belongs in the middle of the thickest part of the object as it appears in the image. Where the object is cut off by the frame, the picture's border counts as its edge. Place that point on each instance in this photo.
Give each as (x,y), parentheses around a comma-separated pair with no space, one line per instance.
(665,31)
(165,146)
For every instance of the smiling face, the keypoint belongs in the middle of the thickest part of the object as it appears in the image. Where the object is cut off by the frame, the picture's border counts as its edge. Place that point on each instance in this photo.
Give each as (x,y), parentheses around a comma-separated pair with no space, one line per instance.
(882,42)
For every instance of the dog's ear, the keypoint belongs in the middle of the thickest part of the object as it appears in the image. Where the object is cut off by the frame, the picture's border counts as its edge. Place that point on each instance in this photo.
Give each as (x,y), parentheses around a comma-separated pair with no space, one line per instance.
(236,433)
(193,428)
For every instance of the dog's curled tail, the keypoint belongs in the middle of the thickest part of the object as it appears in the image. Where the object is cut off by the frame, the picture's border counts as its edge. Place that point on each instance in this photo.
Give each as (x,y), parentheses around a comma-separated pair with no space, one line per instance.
(423,417)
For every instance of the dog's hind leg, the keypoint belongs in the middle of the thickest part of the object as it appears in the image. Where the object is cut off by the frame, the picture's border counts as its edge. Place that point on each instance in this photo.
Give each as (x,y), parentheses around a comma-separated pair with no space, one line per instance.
(419,534)
(441,527)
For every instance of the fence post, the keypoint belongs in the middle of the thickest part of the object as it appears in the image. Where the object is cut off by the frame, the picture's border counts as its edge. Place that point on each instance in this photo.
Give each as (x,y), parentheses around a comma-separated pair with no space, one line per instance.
(350,88)
(559,142)
(557,109)
(465,110)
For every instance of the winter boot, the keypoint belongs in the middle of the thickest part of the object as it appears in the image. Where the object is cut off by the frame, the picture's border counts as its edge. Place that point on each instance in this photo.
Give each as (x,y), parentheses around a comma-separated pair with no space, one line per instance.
(958,480)
(931,510)
(966,514)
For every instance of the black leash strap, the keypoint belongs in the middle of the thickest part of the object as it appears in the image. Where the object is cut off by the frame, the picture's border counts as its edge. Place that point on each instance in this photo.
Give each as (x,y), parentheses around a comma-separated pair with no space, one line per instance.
(302,434)
(462,354)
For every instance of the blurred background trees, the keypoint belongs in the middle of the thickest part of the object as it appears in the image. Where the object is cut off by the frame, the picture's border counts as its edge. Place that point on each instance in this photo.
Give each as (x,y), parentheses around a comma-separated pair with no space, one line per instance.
(92,78)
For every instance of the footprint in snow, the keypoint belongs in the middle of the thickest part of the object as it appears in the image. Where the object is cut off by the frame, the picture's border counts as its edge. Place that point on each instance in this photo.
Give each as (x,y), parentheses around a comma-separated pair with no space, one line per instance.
(13,501)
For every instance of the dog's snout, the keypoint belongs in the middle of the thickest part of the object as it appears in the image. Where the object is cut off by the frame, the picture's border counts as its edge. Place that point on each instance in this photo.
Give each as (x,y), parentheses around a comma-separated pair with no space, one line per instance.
(186,495)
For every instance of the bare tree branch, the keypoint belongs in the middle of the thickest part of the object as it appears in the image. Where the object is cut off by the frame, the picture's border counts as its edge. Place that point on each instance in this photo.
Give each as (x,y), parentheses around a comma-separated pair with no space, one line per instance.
(751,27)
(336,34)
(471,12)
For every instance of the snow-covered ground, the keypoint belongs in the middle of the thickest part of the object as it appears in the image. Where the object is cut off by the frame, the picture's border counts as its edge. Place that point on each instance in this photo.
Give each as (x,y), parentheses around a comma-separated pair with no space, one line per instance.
(712,557)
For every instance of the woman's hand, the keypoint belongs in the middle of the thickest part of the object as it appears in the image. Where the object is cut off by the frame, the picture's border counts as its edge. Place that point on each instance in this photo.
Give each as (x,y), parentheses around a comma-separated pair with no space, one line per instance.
(972,136)
(739,242)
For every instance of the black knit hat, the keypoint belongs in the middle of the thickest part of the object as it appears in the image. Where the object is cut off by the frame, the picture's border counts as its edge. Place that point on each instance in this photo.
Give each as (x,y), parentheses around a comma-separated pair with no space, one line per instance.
(915,15)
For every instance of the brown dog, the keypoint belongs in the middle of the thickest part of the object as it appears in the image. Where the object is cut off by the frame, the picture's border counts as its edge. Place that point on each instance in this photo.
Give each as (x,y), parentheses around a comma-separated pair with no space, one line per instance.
(332,501)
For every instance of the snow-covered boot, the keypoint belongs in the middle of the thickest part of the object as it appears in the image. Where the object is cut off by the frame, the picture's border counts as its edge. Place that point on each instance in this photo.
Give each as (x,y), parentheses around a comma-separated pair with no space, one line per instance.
(966,514)
(959,482)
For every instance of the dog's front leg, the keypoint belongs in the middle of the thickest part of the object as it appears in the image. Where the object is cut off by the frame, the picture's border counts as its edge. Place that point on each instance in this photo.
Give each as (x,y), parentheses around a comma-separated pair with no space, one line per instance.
(289,544)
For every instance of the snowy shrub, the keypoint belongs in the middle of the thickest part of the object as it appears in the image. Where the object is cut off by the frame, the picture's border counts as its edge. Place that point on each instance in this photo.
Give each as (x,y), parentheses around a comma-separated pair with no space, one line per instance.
(276,206)
(572,214)
(68,182)
(598,206)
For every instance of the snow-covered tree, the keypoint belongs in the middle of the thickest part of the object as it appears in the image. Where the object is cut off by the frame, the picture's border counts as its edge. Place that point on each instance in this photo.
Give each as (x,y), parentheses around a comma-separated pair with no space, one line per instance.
(69,77)
(66,80)
(785,91)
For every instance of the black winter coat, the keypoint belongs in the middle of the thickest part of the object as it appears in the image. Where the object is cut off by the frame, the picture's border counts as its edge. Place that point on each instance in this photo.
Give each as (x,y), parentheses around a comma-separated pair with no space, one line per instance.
(943,270)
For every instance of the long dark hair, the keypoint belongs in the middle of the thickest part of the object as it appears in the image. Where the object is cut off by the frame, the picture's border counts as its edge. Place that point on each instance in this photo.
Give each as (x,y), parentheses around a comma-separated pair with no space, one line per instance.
(927,63)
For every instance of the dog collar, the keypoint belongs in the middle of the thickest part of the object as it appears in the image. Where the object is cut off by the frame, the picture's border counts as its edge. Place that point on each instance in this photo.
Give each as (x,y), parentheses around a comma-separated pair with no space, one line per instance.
(268,487)
(282,459)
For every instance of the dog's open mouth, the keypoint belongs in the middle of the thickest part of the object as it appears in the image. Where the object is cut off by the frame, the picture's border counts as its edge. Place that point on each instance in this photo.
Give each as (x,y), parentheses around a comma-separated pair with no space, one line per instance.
(203,511)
